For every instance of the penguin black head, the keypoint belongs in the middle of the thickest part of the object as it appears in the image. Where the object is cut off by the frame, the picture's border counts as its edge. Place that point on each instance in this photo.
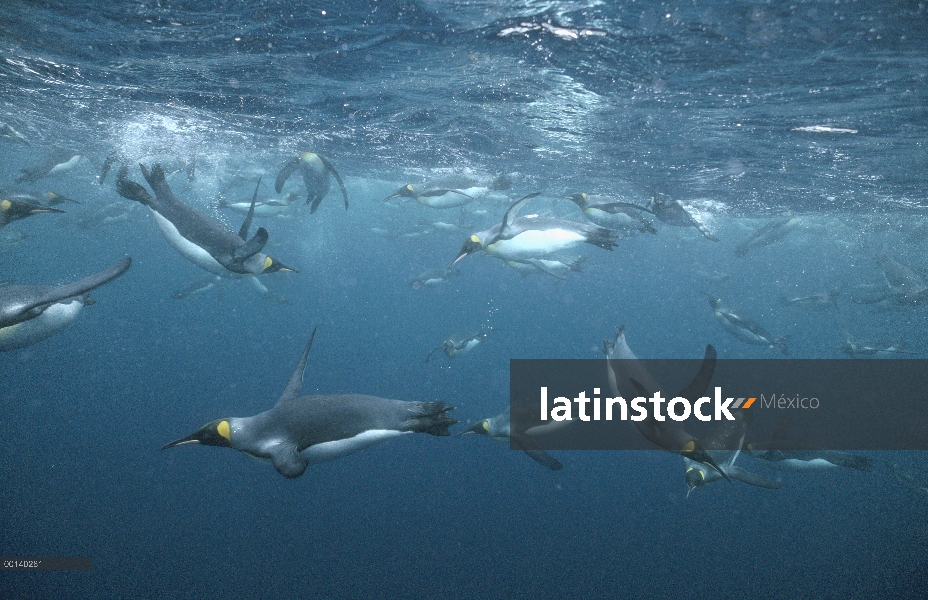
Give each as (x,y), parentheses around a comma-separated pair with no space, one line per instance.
(694,478)
(15,209)
(215,433)
(579,199)
(272,265)
(472,244)
(713,301)
(404,192)
(481,427)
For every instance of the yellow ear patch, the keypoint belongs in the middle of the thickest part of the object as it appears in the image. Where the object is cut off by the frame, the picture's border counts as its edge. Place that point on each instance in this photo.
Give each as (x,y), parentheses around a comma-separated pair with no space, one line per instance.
(475,239)
(409,187)
(223,429)
(689,446)
(485,425)
(267,263)
(5,205)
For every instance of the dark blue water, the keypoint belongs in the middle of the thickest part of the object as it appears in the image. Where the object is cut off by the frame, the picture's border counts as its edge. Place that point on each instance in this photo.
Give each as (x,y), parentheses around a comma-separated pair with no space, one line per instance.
(708,102)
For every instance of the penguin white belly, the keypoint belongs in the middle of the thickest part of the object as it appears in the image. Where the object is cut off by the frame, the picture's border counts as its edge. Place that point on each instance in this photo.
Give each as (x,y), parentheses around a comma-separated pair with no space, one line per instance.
(188,249)
(66,166)
(449,200)
(534,243)
(794,464)
(327,451)
(55,318)
(610,220)
(745,335)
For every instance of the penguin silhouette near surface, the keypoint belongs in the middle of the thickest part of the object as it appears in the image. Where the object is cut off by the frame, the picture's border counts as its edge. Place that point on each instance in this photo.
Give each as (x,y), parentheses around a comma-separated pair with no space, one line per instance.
(315,170)
(303,430)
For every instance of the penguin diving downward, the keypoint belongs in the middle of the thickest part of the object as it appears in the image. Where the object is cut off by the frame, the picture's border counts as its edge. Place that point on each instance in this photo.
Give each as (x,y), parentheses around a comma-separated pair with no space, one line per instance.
(32,313)
(499,428)
(629,378)
(200,238)
(745,329)
(672,212)
(303,430)
(458,344)
(57,162)
(532,236)
(14,210)
(433,198)
(315,170)
(618,216)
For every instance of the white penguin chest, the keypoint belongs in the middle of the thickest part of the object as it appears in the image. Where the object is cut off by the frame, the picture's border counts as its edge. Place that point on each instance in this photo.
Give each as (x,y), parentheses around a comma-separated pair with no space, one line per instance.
(195,254)
(52,320)
(535,242)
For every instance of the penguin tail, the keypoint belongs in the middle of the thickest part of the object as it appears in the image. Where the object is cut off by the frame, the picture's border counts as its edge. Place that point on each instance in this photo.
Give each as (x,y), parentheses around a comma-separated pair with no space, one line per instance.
(431,418)
(129,189)
(602,237)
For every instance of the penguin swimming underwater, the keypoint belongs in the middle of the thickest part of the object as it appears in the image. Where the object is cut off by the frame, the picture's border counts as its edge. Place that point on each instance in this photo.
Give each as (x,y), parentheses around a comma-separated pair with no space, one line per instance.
(433,277)
(500,429)
(315,170)
(303,430)
(7,131)
(672,212)
(557,267)
(55,163)
(520,238)
(745,329)
(32,313)
(200,238)
(437,198)
(629,378)
(458,344)
(12,209)
(768,234)
(608,213)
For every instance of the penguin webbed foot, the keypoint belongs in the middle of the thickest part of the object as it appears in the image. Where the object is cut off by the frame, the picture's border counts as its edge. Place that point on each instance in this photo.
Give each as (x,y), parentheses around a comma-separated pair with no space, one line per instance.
(129,189)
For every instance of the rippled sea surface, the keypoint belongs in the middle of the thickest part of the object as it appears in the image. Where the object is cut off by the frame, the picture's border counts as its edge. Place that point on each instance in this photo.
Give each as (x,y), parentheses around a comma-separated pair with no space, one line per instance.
(743,111)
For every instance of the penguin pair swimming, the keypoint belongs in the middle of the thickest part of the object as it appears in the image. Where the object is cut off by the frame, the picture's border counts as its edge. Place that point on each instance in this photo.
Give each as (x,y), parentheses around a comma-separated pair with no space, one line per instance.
(315,170)
(614,215)
(13,209)
(435,198)
(672,212)
(532,236)
(57,162)
(458,344)
(629,378)
(303,430)
(32,313)
(743,328)
(768,234)
(200,238)
(500,429)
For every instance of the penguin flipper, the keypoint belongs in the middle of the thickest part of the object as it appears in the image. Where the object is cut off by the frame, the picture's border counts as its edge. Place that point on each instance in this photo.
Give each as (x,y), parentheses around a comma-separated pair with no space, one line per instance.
(110,159)
(315,203)
(752,478)
(129,189)
(700,383)
(288,461)
(246,225)
(285,173)
(67,291)
(338,179)
(513,211)
(530,447)
(252,246)
(296,378)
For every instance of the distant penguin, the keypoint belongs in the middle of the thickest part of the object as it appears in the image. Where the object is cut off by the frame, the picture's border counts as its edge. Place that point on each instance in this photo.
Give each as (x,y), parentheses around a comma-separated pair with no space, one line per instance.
(32,313)
(315,170)
(532,236)
(743,328)
(200,238)
(8,132)
(459,344)
(57,162)
(554,266)
(611,214)
(768,234)
(813,460)
(12,209)
(436,198)
(303,430)
(433,277)
(500,429)
(672,212)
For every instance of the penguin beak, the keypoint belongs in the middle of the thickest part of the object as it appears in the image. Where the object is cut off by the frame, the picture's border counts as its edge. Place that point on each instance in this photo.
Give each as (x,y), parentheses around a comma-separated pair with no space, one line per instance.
(478,427)
(469,247)
(403,192)
(276,265)
(193,438)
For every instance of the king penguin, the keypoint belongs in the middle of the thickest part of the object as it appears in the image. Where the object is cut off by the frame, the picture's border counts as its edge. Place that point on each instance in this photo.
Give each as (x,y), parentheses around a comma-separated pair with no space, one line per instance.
(458,344)
(200,238)
(32,313)
(55,163)
(303,430)
(500,429)
(608,213)
(437,198)
(743,328)
(533,236)
(315,170)
(14,210)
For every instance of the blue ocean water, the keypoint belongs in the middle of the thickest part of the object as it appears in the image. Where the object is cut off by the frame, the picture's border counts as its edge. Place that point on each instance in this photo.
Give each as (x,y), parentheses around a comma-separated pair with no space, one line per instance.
(744,110)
